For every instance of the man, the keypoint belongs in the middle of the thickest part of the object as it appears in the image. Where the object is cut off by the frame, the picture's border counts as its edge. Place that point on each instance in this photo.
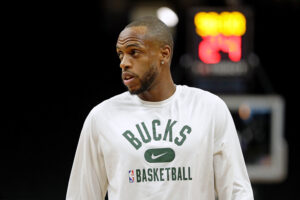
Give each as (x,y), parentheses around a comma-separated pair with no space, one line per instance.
(159,141)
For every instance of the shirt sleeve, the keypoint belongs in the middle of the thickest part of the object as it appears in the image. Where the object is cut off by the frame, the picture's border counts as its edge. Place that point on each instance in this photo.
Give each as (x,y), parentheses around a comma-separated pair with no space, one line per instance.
(88,178)
(231,177)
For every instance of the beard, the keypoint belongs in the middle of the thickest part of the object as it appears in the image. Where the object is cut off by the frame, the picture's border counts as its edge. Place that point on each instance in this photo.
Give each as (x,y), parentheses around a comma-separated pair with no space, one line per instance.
(146,80)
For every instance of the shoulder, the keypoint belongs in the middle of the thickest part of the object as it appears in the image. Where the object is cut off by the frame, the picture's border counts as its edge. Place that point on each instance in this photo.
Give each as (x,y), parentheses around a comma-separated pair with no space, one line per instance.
(112,104)
(201,96)
(208,103)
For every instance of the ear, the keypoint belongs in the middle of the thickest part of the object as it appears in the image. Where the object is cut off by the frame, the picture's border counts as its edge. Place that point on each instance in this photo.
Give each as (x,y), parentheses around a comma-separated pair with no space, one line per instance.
(165,53)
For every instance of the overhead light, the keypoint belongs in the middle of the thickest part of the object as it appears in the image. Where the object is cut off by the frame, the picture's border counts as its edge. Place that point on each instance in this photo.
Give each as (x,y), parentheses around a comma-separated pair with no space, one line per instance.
(168,16)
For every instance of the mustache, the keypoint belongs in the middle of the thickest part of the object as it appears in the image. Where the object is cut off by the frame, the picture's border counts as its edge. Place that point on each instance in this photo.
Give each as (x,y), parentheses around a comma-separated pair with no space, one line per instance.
(128,73)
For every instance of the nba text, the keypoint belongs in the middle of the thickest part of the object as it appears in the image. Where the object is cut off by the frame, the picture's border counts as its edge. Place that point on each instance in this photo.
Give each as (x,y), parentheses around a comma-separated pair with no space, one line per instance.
(162,174)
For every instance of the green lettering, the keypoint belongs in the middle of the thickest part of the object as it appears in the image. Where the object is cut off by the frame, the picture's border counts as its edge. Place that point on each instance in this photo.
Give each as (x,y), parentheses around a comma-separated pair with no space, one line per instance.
(173,174)
(168,169)
(179,174)
(138,175)
(183,170)
(163,174)
(161,170)
(155,174)
(156,137)
(148,138)
(168,131)
(150,178)
(188,130)
(144,176)
(133,140)
(190,178)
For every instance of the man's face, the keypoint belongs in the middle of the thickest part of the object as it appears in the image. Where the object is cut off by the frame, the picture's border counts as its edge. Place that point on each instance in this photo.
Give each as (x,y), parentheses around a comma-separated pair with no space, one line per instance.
(138,59)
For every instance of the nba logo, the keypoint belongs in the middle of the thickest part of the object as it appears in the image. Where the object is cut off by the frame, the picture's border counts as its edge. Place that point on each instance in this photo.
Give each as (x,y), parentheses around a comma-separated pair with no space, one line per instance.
(131,176)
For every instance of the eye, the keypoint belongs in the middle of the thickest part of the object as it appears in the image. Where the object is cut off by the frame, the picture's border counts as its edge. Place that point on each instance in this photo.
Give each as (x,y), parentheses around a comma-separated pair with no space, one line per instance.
(134,52)
(120,55)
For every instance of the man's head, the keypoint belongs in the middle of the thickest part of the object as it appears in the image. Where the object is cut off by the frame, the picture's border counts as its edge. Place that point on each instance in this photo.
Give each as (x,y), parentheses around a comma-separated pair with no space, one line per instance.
(156,30)
(145,49)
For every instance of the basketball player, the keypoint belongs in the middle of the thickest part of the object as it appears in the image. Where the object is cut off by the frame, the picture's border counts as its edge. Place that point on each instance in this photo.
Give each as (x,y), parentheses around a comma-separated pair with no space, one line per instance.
(158,141)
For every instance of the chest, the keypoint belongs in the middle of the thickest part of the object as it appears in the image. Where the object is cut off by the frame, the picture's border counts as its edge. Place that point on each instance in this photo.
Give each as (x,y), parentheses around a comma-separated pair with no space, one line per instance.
(153,134)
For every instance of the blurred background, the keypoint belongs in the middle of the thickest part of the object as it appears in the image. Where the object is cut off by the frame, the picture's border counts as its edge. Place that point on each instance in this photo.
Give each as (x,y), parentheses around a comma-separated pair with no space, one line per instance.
(60,61)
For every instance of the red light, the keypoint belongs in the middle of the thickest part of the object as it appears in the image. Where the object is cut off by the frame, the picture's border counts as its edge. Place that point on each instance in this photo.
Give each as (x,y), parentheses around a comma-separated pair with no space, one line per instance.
(210,47)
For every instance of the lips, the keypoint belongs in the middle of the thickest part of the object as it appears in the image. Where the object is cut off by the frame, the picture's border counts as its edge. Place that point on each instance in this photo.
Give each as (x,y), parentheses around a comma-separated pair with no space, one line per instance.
(128,77)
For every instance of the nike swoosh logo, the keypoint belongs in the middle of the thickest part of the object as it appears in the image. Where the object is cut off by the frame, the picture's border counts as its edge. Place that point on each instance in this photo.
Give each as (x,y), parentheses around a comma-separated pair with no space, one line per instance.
(154,157)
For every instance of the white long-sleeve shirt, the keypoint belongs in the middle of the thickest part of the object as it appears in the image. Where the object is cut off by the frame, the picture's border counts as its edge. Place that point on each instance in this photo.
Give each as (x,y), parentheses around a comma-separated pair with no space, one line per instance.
(185,147)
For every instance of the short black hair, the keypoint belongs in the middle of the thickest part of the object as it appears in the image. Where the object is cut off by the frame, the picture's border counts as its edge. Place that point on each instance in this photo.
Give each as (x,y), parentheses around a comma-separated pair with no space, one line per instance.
(156,29)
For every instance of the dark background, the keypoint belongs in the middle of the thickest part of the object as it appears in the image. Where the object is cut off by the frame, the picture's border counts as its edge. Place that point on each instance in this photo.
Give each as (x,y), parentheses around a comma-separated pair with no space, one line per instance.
(60,62)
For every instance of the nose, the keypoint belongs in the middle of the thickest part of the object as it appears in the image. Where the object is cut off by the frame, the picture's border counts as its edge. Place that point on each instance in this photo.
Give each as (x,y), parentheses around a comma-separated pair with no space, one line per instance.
(125,63)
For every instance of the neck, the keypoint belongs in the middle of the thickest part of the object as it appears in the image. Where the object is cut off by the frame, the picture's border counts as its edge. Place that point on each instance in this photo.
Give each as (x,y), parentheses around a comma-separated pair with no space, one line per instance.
(160,90)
